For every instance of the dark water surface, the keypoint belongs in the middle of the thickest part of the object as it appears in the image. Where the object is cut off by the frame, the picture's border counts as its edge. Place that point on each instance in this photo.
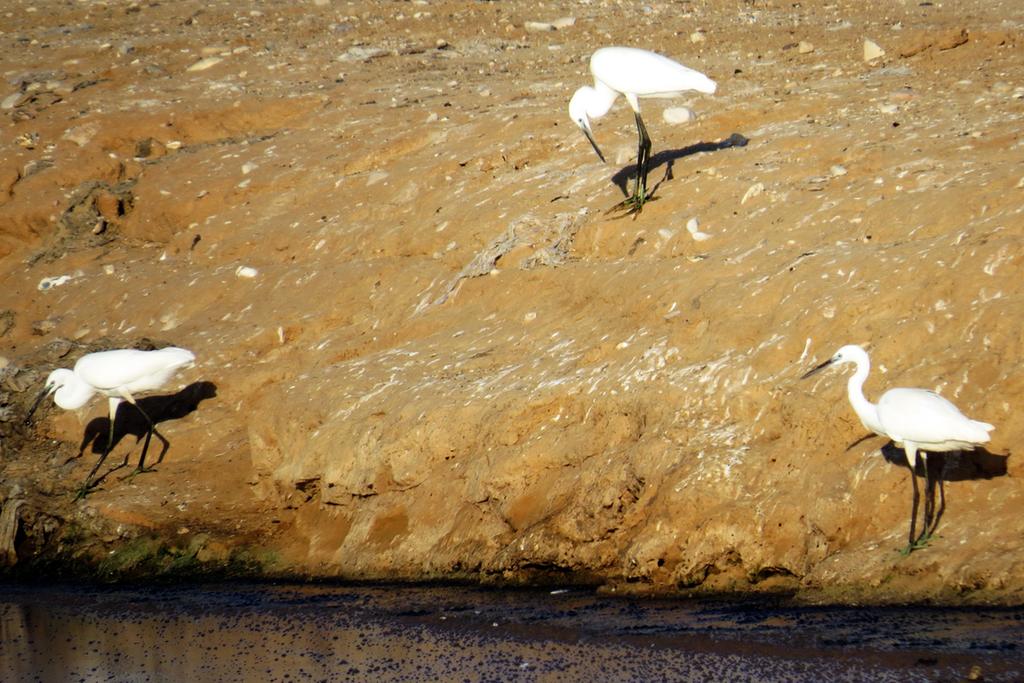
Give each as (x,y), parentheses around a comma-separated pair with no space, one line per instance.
(263,632)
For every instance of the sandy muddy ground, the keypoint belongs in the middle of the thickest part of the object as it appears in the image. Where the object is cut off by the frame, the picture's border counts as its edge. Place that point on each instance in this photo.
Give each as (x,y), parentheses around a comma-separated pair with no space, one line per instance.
(424,349)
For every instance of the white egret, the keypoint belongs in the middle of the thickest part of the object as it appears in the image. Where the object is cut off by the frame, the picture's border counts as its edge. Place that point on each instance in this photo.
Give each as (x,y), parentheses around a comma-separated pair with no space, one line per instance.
(916,419)
(118,375)
(633,73)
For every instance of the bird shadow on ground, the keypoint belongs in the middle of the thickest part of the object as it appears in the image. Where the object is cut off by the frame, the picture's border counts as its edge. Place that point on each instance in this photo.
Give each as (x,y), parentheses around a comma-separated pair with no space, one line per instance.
(128,421)
(938,468)
(669,157)
(954,465)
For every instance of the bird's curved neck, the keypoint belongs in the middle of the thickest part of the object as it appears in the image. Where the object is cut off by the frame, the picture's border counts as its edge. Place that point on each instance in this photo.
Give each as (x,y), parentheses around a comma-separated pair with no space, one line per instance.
(865,409)
(601,101)
(73,394)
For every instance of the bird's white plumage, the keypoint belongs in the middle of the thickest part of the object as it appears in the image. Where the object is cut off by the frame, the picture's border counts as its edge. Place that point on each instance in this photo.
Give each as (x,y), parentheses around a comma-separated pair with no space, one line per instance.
(120,373)
(917,419)
(646,74)
(117,375)
(634,73)
(928,420)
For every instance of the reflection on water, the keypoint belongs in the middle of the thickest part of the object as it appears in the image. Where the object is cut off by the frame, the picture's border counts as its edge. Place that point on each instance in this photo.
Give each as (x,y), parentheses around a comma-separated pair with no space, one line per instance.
(231,632)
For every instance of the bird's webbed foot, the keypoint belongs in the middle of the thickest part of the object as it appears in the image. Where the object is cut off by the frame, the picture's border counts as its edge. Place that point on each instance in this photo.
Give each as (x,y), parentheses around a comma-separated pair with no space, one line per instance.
(137,471)
(630,206)
(86,488)
(923,541)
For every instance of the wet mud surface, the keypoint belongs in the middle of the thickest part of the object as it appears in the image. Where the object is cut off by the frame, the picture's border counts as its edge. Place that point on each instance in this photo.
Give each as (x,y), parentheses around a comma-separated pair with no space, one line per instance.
(401,633)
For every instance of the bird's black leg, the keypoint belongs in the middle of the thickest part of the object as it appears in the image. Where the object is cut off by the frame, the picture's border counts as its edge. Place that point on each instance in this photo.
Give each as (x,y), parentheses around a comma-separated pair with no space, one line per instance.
(643,162)
(635,203)
(942,507)
(88,483)
(145,447)
(913,511)
(929,504)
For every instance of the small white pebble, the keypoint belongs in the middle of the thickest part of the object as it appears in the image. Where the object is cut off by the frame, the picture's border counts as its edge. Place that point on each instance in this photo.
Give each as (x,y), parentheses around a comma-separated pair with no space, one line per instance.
(752,191)
(872,50)
(676,115)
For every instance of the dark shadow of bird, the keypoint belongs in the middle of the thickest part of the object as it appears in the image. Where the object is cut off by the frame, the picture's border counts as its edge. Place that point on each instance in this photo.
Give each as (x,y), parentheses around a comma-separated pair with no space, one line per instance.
(940,467)
(130,422)
(668,157)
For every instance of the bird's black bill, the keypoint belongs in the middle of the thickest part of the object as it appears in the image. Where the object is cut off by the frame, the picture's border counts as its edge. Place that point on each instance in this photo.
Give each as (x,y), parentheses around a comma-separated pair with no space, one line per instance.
(594,145)
(817,369)
(39,399)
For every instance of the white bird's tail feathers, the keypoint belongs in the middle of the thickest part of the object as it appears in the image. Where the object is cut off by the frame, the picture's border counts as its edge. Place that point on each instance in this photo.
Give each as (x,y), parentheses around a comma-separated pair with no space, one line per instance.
(982,429)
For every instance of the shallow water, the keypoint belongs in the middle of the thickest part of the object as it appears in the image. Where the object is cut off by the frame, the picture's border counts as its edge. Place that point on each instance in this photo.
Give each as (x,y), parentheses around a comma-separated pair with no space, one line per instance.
(262,632)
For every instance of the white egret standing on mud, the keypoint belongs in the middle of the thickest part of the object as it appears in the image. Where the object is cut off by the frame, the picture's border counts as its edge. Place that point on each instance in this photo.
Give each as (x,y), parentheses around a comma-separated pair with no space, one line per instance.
(633,73)
(916,419)
(118,375)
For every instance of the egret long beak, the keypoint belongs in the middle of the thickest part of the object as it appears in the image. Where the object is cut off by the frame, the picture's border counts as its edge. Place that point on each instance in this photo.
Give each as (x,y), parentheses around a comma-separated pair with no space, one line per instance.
(590,137)
(817,369)
(39,399)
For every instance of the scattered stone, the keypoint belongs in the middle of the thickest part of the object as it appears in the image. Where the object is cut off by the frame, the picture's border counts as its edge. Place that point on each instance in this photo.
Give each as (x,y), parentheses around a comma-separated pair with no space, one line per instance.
(872,51)
(247,272)
(205,63)
(538,26)
(693,227)
(888,108)
(359,53)
(902,95)
(48,283)
(805,47)
(43,327)
(150,148)
(81,135)
(752,191)
(27,140)
(676,115)
(12,100)
(698,36)
(35,166)
(58,348)
(248,167)
(838,170)
(564,22)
